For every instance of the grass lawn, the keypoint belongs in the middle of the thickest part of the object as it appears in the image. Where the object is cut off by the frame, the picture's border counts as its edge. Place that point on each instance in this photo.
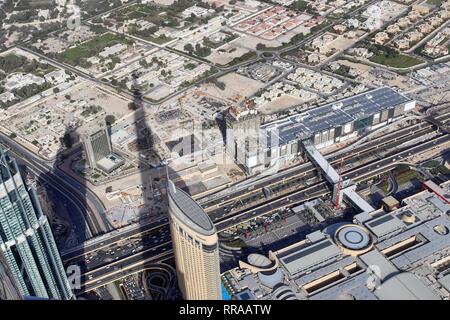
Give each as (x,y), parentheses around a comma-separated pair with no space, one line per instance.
(247,56)
(43,71)
(435,2)
(397,61)
(443,169)
(383,186)
(408,176)
(92,47)
(431,164)
(237,243)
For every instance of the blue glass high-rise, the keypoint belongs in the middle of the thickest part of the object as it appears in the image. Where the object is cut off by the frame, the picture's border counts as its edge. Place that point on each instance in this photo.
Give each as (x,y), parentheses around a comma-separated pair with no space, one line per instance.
(26,239)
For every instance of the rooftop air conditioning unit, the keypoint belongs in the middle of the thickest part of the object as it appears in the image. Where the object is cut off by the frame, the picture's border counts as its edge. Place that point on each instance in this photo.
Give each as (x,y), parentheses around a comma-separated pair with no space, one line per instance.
(337,106)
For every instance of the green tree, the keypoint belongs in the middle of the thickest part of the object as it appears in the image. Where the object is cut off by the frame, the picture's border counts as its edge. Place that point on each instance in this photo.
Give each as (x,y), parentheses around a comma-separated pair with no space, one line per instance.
(110,120)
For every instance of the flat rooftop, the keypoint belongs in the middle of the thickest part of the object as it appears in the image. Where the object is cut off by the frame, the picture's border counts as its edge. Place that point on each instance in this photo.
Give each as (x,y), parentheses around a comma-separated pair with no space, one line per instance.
(305,125)
(110,162)
(408,258)
(190,212)
(297,261)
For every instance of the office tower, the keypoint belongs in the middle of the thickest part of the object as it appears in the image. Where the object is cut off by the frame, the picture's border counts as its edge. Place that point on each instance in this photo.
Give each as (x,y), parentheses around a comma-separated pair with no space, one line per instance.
(243,143)
(26,239)
(196,248)
(97,147)
(8,287)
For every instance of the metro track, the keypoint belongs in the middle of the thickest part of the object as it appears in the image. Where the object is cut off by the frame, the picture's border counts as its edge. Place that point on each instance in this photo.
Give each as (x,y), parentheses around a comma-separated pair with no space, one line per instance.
(285,175)
(285,201)
(307,170)
(357,175)
(415,130)
(104,274)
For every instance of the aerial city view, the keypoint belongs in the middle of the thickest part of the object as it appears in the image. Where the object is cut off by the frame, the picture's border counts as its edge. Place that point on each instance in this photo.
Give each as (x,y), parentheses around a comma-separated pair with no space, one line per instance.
(224,150)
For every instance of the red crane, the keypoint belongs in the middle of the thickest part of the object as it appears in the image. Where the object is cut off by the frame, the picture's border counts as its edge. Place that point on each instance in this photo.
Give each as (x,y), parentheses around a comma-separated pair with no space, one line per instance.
(338,195)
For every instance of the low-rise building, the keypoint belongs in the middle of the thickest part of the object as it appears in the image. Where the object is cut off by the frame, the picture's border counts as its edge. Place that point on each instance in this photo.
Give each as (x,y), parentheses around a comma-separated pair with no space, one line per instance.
(425,28)
(404,22)
(393,28)
(402,254)
(402,44)
(19,80)
(197,12)
(381,37)
(7,97)
(113,50)
(280,141)
(414,36)
(423,8)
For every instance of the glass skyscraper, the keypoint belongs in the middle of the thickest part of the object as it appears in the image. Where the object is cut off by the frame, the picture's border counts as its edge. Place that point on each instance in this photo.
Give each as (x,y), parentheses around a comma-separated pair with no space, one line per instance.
(26,240)
(8,287)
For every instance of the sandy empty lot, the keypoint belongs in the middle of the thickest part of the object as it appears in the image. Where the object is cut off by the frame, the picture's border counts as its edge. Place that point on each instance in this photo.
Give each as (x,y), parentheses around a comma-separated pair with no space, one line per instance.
(224,58)
(280,104)
(237,88)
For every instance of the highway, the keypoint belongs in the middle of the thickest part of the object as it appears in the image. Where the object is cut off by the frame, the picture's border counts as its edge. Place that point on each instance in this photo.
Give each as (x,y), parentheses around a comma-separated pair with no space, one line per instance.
(85,200)
(226,210)
(357,175)
(106,273)
(241,188)
(112,237)
(241,198)
(108,251)
(303,178)
(122,268)
(290,177)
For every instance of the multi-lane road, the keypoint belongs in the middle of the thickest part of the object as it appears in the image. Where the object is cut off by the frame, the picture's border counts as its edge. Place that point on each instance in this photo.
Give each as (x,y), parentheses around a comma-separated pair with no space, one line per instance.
(220,205)
(122,267)
(216,206)
(320,189)
(102,271)
(93,220)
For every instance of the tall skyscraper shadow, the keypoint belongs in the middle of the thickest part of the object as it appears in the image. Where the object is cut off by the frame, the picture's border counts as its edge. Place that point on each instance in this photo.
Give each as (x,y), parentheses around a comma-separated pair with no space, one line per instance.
(72,221)
(149,159)
(79,215)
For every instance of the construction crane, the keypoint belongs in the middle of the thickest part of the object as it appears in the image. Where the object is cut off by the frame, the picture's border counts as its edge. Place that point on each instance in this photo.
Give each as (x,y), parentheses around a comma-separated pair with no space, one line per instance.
(180,102)
(338,195)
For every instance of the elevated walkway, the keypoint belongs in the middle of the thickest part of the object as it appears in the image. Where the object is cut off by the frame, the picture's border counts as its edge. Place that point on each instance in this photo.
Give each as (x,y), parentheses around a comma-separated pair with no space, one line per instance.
(442,126)
(340,188)
(355,199)
(325,167)
(319,161)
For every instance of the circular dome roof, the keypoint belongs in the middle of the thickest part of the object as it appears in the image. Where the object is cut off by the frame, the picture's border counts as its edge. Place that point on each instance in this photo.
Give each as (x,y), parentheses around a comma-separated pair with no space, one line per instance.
(271,279)
(441,229)
(258,260)
(353,237)
(346,296)
(408,217)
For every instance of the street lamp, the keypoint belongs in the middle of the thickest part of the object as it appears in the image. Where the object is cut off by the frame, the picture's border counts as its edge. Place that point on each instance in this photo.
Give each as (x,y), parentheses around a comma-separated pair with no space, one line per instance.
(166,163)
